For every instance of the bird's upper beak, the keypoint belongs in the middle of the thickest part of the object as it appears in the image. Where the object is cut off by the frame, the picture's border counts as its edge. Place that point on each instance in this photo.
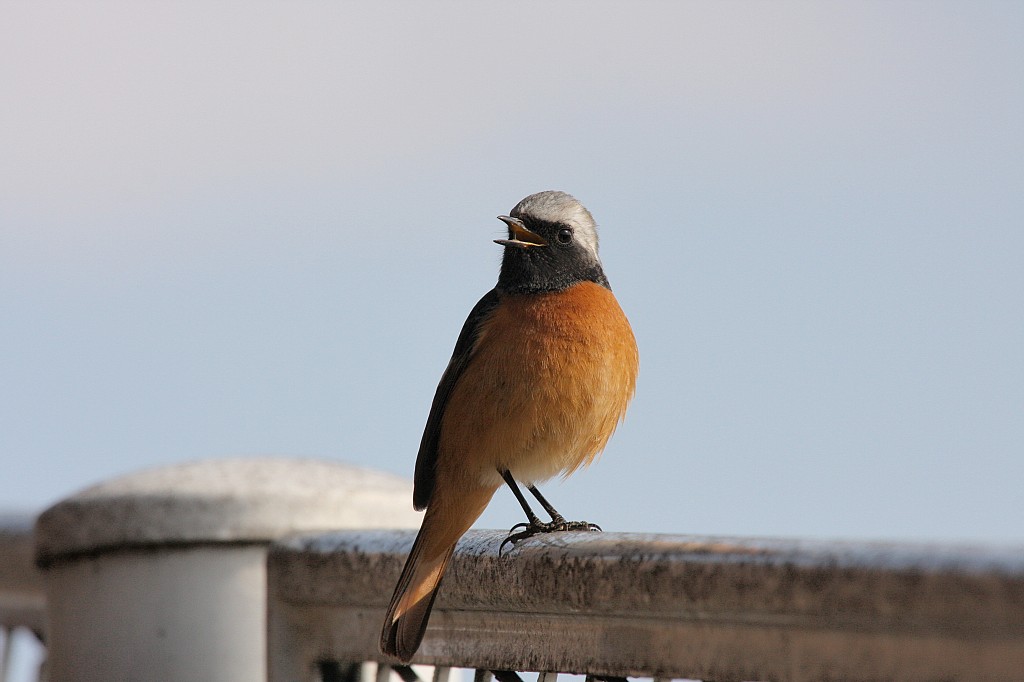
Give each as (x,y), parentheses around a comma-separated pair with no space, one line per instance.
(521,237)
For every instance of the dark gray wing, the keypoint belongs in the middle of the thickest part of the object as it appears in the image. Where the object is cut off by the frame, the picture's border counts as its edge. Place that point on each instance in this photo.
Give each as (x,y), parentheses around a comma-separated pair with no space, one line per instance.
(426,460)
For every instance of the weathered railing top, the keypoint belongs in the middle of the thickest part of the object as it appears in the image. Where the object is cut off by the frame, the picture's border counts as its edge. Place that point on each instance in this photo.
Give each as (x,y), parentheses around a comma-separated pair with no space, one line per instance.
(666,606)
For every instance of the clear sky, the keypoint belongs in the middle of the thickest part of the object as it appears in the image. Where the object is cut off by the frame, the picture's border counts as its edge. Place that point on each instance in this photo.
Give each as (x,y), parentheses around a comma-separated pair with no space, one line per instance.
(257,228)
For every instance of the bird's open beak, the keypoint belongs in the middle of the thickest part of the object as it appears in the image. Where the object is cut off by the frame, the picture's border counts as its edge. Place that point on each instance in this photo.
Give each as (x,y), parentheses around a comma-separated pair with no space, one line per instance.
(521,237)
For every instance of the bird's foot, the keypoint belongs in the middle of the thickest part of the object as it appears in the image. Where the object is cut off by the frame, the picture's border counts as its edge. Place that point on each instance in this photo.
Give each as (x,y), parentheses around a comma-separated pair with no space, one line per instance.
(557,525)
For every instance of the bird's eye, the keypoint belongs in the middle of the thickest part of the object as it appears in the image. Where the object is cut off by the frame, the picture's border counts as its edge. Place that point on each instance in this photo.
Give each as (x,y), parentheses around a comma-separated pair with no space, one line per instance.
(564,235)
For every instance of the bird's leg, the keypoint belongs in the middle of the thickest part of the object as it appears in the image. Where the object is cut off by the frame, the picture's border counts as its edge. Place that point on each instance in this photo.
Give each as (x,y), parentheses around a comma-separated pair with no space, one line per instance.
(533,518)
(558,519)
(535,526)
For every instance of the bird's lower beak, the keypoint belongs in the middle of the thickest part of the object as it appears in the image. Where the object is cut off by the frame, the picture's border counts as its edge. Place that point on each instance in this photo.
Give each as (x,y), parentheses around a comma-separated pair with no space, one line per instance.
(519,236)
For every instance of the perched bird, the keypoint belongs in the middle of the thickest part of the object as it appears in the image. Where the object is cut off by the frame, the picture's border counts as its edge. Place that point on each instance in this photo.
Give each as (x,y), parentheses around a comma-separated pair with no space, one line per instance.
(540,377)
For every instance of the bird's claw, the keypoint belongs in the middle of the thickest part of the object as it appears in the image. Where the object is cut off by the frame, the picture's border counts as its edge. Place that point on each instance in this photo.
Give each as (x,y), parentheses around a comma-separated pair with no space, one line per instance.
(557,526)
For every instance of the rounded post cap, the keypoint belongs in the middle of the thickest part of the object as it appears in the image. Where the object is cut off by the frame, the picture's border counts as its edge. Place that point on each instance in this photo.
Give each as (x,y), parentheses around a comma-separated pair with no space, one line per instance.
(236,500)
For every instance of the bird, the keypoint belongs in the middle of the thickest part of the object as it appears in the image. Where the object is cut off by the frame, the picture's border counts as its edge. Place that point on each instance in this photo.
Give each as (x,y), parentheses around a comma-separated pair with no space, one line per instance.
(540,377)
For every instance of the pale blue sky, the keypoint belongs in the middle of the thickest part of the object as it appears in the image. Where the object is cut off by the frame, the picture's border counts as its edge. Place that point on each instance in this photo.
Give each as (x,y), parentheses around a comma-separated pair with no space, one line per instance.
(255,228)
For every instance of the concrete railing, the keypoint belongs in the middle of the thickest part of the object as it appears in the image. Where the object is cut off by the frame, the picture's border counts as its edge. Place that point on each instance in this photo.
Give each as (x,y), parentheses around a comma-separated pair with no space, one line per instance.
(21,585)
(661,606)
(237,570)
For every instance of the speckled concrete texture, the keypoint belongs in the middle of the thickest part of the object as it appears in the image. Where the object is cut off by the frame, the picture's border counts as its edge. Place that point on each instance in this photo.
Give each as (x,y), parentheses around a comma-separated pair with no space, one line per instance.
(668,606)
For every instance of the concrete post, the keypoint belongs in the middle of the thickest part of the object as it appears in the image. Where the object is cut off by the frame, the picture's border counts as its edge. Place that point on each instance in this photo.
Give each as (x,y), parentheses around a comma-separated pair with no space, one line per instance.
(161,575)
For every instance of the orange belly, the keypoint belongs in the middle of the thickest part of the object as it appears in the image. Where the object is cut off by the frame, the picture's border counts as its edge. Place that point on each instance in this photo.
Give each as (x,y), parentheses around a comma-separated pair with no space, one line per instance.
(549,380)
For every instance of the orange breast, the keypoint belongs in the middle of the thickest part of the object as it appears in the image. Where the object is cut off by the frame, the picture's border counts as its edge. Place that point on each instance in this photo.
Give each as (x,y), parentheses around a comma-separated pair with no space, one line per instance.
(548,382)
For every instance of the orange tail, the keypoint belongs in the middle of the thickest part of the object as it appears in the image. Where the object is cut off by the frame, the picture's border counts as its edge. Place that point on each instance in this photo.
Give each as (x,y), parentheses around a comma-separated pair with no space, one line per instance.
(443,524)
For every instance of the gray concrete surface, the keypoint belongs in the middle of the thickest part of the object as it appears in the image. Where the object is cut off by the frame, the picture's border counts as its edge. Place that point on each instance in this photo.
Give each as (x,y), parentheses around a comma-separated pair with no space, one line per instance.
(666,606)
(223,500)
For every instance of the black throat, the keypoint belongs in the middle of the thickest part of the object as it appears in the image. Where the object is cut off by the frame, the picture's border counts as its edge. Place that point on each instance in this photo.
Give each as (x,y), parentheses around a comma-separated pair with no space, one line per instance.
(538,270)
